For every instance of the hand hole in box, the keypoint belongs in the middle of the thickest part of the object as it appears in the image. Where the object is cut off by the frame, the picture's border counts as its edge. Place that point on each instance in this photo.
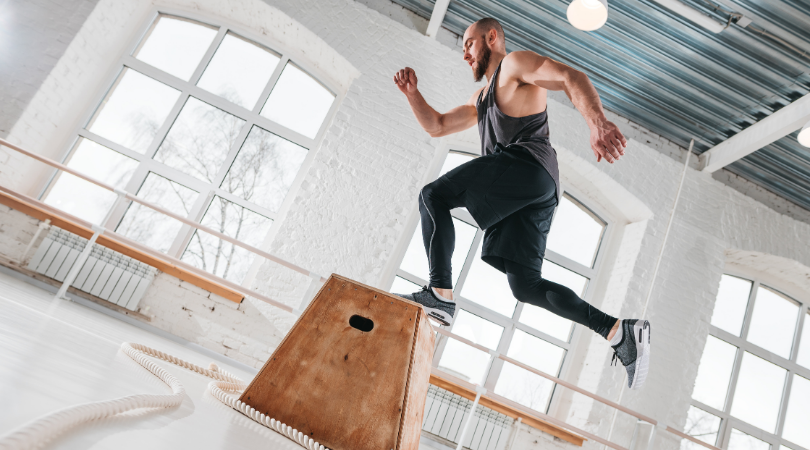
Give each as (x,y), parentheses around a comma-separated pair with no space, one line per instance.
(361,323)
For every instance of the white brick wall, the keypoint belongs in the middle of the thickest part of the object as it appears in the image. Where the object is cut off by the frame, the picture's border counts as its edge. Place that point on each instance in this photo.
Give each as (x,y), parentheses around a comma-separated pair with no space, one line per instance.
(34,34)
(16,231)
(350,213)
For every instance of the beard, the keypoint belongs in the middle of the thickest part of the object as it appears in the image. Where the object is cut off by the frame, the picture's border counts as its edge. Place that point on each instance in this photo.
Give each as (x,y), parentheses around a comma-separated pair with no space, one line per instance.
(483,63)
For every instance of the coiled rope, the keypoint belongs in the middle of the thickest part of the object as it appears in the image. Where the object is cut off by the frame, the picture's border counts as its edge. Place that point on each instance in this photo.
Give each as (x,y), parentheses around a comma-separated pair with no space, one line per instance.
(39,432)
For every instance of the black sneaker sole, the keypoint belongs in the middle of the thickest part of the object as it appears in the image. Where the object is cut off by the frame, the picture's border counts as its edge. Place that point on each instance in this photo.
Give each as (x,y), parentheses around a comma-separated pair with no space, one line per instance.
(439,316)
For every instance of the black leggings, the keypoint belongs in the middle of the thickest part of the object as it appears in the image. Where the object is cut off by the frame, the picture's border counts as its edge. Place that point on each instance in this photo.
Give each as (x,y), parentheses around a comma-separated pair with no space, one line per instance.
(529,287)
(438,233)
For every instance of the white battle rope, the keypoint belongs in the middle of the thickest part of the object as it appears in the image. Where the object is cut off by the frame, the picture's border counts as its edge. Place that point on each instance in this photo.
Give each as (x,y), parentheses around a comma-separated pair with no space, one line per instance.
(37,433)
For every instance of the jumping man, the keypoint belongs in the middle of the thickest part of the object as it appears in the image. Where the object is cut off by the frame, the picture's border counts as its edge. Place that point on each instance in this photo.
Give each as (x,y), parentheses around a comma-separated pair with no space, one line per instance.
(512,189)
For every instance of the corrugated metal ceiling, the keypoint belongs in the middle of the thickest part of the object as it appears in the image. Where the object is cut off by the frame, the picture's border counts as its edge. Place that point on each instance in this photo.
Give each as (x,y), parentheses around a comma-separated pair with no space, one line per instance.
(668,74)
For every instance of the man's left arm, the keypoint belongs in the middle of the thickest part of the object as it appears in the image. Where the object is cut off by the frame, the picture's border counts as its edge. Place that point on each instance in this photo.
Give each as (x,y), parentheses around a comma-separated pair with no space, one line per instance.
(529,67)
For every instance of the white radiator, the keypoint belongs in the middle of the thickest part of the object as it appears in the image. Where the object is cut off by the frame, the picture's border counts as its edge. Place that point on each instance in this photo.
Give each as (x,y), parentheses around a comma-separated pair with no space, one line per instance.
(446,412)
(106,274)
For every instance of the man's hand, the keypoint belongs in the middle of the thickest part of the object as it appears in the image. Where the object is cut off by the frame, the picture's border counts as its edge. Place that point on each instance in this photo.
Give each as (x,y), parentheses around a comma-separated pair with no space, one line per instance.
(406,81)
(607,141)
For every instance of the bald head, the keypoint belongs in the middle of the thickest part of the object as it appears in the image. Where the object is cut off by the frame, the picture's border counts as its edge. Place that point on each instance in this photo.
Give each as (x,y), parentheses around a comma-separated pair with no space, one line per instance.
(484,25)
(484,46)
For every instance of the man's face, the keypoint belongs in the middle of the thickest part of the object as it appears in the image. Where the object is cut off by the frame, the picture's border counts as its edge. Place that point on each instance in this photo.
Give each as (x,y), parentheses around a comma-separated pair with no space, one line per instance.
(476,52)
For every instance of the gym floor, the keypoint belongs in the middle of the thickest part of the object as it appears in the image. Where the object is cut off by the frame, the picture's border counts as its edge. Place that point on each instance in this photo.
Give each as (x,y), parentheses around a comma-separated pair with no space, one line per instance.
(55,355)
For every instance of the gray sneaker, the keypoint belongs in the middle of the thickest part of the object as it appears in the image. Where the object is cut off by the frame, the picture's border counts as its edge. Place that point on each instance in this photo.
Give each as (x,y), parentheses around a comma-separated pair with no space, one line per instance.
(439,310)
(634,351)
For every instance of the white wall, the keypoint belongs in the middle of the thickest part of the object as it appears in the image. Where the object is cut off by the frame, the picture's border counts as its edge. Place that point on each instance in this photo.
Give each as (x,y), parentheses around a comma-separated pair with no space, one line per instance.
(351,213)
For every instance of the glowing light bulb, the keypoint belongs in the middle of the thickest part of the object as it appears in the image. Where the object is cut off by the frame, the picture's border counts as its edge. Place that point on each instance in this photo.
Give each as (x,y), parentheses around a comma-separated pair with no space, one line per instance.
(804,135)
(587,15)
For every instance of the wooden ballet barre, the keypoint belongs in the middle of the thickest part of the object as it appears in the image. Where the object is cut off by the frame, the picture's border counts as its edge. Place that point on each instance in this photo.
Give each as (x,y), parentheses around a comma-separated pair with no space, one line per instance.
(534,419)
(75,224)
(164,211)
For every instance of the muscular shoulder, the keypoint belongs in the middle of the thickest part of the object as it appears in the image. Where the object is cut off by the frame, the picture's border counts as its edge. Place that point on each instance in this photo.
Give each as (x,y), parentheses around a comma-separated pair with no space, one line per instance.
(474,99)
(517,64)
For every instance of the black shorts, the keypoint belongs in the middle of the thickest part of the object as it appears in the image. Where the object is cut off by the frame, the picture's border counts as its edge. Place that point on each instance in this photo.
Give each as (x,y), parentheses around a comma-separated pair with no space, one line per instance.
(512,196)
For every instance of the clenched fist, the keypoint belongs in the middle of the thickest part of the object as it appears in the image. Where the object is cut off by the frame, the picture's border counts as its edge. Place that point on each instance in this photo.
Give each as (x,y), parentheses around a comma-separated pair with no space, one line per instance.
(406,81)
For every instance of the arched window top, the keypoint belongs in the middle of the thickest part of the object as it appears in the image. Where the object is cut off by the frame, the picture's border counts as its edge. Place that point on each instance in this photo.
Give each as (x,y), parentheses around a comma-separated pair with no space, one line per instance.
(238,70)
(204,121)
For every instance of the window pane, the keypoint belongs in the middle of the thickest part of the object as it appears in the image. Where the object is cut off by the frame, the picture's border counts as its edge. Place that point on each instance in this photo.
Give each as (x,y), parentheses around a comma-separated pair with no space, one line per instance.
(803,356)
(150,227)
(742,441)
(773,322)
(264,169)
(575,232)
(465,233)
(479,330)
(700,425)
(565,277)
(546,321)
(452,161)
(220,257)
(464,362)
(732,300)
(239,71)
(134,110)
(176,45)
(524,387)
(759,392)
(199,140)
(714,373)
(82,198)
(488,287)
(543,319)
(403,286)
(797,417)
(416,261)
(535,352)
(298,102)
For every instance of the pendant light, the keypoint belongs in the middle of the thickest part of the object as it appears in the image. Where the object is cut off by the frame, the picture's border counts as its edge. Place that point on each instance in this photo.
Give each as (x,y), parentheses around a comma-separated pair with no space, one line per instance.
(804,135)
(588,15)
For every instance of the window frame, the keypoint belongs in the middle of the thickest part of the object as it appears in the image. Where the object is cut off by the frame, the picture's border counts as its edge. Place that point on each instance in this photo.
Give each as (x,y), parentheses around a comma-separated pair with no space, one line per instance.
(510,324)
(727,421)
(147,163)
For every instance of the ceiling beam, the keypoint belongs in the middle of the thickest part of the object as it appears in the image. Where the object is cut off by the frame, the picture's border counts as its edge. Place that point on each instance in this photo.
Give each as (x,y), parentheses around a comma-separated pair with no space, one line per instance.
(436,18)
(693,15)
(770,129)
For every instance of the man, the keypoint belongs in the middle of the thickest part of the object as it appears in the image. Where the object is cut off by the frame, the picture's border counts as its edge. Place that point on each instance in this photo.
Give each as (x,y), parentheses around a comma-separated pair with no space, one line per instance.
(512,189)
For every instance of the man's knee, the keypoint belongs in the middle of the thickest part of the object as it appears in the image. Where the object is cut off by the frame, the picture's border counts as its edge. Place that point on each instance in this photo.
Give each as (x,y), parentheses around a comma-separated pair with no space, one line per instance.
(430,190)
(431,193)
(526,284)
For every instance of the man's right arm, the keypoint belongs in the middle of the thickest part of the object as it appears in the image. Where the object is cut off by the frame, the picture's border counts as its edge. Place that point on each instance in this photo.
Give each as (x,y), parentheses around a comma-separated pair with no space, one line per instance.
(436,124)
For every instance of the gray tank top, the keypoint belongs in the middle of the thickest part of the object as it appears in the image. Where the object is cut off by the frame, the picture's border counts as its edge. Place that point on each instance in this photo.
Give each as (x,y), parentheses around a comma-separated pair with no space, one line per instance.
(529,133)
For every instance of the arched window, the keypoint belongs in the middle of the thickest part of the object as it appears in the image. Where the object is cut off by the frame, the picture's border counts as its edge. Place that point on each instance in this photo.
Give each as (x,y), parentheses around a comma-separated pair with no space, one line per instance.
(489,315)
(204,122)
(753,385)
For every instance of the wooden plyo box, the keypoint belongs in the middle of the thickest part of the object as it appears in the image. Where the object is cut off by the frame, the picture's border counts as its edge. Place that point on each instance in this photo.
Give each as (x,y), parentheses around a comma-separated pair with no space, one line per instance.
(353,372)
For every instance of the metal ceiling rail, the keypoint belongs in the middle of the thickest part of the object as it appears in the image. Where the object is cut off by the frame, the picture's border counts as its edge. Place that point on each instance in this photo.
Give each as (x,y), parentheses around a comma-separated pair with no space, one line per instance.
(249,292)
